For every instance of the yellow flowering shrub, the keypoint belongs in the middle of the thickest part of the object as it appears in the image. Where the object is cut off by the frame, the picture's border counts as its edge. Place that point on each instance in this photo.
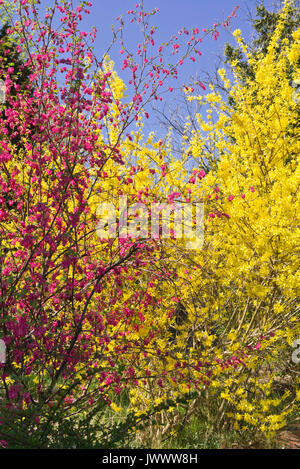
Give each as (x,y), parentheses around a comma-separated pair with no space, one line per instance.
(240,291)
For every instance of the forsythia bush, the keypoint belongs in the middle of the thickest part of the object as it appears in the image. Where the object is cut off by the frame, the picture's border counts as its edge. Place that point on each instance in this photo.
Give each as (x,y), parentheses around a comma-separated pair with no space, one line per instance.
(242,289)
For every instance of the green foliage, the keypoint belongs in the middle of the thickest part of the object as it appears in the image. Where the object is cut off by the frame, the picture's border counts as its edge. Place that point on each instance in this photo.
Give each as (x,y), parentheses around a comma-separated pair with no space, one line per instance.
(266,22)
(264,26)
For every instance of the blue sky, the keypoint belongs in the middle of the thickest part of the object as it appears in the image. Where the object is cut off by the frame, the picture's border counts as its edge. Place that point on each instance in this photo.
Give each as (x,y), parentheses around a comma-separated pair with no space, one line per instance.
(173,14)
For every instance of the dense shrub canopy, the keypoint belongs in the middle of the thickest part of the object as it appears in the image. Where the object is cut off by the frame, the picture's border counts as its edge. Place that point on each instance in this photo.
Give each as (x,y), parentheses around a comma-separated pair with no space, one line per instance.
(106,333)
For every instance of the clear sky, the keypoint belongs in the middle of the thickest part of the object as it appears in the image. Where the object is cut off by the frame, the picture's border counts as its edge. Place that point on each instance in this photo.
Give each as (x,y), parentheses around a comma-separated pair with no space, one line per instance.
(173,14)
